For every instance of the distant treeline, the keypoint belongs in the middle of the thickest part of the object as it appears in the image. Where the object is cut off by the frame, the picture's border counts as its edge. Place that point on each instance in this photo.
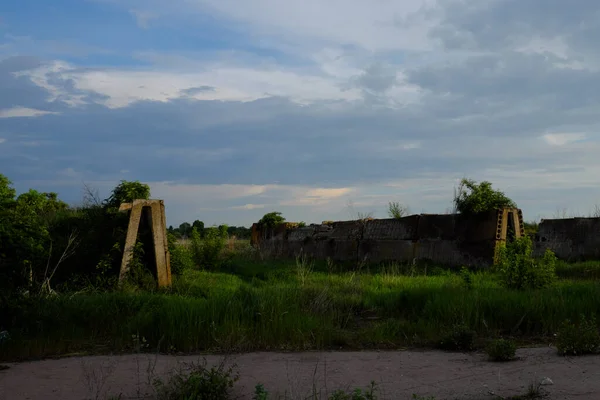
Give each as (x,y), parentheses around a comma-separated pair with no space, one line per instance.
(184,230)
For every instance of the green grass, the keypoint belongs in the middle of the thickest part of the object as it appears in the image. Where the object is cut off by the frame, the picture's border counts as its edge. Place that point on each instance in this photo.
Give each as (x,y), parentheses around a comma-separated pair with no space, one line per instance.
(267,306)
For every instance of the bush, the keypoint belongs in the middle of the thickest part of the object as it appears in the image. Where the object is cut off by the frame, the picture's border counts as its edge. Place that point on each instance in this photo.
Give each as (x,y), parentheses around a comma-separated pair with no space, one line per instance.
(356,394)
(519,270)
(397,210)
(501,350)
(578,339)
(198,383)
(206,252)
(473,198)
(260,393)
(460,338)
(180,256)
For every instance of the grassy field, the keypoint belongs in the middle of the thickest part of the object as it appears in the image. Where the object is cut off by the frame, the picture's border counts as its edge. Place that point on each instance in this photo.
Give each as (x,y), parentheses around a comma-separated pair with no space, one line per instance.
(297,305)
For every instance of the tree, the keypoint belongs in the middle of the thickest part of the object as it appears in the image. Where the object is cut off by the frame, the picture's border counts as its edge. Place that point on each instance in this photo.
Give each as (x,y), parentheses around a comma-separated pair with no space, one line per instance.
(272,219)
(473,198)
(185,229)
(199,226)
(126,192)
(397,210)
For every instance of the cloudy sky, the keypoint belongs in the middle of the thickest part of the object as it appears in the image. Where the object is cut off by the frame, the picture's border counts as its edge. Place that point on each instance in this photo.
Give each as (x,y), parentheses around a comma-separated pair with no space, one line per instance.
(320,109)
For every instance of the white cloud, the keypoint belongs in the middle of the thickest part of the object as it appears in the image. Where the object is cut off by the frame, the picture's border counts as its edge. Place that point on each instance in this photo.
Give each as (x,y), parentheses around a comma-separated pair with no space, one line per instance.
(2,140)
(230,83)
(18,112)
(561,139)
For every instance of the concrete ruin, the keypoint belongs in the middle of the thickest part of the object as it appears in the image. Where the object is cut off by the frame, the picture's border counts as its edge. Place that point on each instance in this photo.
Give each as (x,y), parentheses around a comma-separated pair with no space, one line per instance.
(154,210)
(450,239)
(571,239)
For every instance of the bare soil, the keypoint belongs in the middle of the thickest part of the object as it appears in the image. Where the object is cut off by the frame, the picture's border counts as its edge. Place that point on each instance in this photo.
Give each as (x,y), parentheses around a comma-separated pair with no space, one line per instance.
(399,375)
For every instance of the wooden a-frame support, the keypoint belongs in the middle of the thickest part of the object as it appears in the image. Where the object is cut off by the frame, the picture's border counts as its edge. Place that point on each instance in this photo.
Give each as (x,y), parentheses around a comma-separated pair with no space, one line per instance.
(158,225)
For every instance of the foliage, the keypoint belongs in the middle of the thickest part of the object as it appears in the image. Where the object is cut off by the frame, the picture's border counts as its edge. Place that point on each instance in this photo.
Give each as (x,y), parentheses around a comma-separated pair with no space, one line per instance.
(263,307)
(460,338)
(272,219)
(199,382)
(356,394)
(181,257)
(467,277)
(397,210)
(126,192)
(473,198)
(518,269)
(501,350)
(206,252)
(579,339)
(260,393)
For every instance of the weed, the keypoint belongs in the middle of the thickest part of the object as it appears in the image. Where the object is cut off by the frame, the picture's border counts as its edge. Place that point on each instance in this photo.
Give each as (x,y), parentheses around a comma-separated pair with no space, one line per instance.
(198,382)
(460,338)
(467,278)
(418,397)
(304,268)
(260,393)
(356,394)
(501,350)
(580,339)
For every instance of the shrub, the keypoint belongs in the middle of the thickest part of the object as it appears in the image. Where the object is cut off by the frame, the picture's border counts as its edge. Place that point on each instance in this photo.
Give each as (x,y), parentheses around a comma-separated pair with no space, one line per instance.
(473,198)
(260,393)
(501,350)
(356,394)
(460,338)
(198,383)
(206,252)
(181,257)
(397,210)
(271,220)
(578,339)
(519,270)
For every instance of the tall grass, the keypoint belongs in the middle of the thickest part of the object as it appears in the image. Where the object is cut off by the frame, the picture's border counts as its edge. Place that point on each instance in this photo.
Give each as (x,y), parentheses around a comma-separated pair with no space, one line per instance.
(293,308)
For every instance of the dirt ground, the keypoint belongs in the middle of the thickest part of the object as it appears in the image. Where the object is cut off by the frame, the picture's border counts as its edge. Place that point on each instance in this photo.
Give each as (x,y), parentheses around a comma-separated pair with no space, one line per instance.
(399,375)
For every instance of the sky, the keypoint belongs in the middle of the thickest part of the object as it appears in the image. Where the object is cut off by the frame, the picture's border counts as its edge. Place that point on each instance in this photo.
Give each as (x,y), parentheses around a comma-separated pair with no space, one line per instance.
(319,109)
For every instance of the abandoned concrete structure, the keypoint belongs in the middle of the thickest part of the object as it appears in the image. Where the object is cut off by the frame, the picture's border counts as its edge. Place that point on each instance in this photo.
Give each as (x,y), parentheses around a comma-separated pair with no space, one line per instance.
(571,239)
(450,239)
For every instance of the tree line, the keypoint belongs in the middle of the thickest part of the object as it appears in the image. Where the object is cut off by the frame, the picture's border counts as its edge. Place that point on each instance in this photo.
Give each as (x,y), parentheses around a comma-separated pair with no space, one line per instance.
(184,230)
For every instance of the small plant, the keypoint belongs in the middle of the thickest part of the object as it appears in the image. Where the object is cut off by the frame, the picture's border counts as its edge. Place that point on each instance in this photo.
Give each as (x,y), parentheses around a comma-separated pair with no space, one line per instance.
(417,397)
(260,393)
(519,270)
(356,394)
(198,383)
(139,343)
(304,268)
(576,340)
(397,210)
(460,338)
(501,350)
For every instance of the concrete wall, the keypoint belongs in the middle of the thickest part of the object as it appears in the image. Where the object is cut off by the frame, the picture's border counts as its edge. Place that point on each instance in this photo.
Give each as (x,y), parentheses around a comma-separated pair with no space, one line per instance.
(571,239)
(449,239)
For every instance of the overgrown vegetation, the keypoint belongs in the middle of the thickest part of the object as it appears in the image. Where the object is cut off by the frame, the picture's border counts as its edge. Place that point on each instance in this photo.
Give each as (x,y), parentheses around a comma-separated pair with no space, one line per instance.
(501,350)
(578,339)
(518,269)
(473,198)
(397,210)
(59,266)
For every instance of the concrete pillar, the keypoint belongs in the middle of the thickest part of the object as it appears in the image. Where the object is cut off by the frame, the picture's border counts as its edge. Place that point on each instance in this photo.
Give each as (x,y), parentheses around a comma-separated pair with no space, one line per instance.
(158,226)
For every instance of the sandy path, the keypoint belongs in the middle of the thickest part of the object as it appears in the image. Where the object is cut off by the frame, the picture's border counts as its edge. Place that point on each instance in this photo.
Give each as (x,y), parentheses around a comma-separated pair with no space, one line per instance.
(399,374)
